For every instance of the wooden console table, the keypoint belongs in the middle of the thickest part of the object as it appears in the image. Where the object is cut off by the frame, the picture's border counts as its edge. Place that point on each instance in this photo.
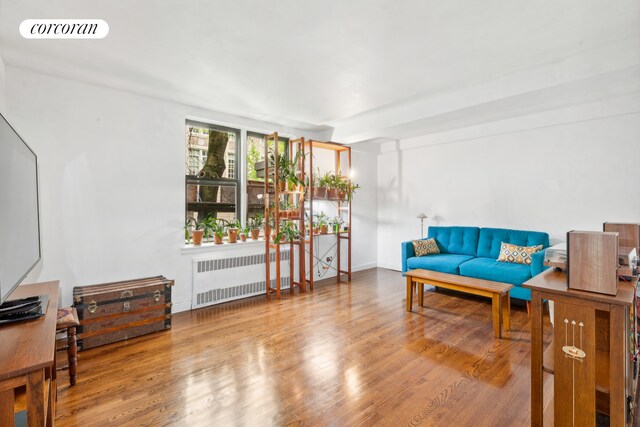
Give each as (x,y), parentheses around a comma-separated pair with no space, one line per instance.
(27,358)
(603,374)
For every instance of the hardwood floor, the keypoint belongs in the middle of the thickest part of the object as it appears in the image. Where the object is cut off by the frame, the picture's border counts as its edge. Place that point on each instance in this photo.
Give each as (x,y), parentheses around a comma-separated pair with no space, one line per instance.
(344,355)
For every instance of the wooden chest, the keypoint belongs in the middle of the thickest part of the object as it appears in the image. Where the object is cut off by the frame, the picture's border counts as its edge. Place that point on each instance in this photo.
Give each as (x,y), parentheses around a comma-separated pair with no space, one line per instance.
(118,311)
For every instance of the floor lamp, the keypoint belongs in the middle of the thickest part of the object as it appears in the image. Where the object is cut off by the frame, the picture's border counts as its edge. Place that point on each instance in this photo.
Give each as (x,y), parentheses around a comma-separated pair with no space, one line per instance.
(422,217)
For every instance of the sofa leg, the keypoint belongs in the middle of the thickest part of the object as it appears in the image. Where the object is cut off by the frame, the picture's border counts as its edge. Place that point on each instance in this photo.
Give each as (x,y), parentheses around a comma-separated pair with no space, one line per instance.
(528,308)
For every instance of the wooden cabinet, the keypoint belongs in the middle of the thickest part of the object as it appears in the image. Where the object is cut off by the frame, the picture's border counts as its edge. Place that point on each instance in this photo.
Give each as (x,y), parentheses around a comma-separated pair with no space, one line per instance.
(590,355)
(27,361)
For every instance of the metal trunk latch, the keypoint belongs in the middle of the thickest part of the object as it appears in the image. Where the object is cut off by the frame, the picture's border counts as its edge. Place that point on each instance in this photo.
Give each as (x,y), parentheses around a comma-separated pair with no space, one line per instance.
(93,306)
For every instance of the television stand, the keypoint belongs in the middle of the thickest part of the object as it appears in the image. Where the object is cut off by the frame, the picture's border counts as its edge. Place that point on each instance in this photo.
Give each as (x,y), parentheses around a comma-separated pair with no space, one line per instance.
(22,309)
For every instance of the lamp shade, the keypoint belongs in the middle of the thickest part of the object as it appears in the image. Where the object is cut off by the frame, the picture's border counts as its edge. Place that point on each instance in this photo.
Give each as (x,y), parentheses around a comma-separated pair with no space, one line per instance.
(422,216)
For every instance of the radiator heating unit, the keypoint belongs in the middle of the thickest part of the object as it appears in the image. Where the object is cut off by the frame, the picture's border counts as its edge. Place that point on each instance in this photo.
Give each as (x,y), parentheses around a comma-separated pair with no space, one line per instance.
(218,279)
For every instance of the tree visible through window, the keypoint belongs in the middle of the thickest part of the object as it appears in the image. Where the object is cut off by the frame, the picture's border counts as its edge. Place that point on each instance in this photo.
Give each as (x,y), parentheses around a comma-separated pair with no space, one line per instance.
(212,184)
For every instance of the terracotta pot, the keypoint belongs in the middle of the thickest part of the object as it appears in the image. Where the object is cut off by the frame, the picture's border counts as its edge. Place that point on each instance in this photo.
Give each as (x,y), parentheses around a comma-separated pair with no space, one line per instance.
(342,195)
(255,234)
(332,193)
(217,239)
(282,185)
(196,235)
(233,235)
(319,192)
(243,237)
(324,229)
(316,230)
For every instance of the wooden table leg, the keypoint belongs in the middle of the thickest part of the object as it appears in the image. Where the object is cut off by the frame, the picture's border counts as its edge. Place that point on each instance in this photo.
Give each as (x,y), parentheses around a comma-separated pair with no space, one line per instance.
(536,359)
(35,398)
(7,400)
(618,361)
(72,352)
(496,305)
(420,293)
(409,293)
(506,311)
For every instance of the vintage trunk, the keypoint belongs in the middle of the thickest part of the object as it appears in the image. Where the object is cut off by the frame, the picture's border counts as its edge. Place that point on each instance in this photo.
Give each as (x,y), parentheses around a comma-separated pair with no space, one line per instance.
(118,311)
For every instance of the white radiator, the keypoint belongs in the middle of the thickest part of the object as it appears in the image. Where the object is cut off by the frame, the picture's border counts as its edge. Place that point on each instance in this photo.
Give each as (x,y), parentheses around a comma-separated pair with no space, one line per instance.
(226,277)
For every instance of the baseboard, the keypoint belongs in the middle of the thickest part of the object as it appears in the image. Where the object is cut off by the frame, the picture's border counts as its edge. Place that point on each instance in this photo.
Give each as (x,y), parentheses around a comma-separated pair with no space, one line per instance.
(181,306)
(364,266)
(389,267)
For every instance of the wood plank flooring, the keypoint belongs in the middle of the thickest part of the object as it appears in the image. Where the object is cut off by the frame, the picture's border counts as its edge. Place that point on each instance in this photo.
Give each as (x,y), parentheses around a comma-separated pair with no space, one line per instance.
(343,355)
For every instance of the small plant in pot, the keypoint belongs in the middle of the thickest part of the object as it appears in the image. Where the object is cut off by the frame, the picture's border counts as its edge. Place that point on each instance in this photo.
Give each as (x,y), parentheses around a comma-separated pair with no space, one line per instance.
(324,183)
(244,232)
(255,224)
(335,224)
(233,227)
(289,232)
(322,222)
(198,229)
(189,225)
(218,227)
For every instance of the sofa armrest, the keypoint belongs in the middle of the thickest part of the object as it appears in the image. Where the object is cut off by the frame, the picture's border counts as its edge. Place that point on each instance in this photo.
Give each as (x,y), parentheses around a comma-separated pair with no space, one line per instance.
(537,263)
(407,252)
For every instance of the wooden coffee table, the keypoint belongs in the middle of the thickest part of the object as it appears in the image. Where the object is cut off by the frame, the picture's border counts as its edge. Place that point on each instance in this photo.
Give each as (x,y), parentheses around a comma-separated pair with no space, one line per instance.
(497,291)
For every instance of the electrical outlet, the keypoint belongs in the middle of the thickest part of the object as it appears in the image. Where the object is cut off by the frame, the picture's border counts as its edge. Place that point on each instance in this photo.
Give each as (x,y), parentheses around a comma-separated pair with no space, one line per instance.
(329,258)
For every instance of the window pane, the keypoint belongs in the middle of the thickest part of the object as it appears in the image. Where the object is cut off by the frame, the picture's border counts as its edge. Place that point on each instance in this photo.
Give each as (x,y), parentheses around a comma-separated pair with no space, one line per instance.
(199,138)
(255,153)
(217,200)
(211,153)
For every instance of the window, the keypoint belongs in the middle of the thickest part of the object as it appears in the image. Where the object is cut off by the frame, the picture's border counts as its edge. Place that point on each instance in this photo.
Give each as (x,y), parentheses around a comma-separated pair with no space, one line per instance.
(211,175)
(255,154)
(231,165)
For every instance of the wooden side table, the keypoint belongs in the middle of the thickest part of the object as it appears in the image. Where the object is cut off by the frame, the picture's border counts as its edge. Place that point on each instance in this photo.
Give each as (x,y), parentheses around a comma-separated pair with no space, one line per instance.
(28,359)
(603,365)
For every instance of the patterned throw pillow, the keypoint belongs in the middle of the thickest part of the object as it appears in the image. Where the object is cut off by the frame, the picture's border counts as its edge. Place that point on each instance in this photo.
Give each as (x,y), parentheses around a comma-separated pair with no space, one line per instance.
(517,254)
(425,247)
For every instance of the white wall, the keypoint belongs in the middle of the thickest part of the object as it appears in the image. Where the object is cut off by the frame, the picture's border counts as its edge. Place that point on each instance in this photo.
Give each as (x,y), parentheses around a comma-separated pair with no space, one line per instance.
(3,91)
(573,168)
(112,181)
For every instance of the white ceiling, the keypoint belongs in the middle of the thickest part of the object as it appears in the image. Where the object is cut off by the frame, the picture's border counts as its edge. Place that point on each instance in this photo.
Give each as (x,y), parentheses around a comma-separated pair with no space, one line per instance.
(332,63)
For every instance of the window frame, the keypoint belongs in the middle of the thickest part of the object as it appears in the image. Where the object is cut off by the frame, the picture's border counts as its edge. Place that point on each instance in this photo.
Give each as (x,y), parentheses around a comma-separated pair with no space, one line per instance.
(236,181)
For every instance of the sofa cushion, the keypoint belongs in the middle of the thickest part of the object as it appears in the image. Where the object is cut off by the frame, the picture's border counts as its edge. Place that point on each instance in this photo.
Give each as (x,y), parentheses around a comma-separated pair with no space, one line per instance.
(517,254)
(492,269)
(456,240)
(425,247)
(490,239)
(444,263)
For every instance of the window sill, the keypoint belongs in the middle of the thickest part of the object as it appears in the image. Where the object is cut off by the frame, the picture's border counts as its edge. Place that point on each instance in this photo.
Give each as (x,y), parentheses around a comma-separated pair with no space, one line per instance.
(208,247)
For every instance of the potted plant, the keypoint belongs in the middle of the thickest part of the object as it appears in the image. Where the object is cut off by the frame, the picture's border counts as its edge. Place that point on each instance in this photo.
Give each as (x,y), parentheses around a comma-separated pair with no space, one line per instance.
(335,223)
(189,225)
(232,230)
(219,228)
(332,182)
(198,233)
(322,221)
(208,226)
(321,185)
(255,224)
(289,232)
(342,187)
(351,188)
(244,232)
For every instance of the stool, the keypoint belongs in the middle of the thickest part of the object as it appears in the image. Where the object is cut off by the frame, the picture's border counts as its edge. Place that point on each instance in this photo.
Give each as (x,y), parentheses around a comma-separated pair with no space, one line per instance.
(67,322)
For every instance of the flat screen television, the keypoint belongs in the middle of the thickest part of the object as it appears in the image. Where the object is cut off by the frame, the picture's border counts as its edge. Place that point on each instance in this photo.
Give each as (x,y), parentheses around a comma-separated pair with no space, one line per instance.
(19,212)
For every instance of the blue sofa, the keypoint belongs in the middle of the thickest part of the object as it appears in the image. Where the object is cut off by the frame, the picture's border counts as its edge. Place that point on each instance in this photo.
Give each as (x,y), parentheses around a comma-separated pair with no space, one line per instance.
(473,252)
